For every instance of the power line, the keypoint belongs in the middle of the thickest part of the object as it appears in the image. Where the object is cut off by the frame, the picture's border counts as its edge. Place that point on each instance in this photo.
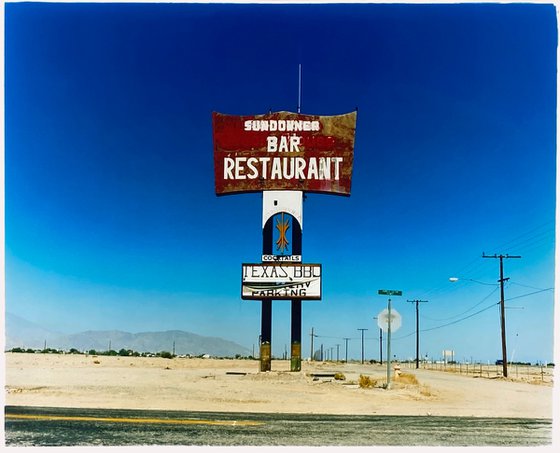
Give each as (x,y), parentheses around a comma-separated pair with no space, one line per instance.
(346,339)
(539,290)
(449,323)
(530,294)
(527,233)
(530,287)
(536,234)
(536,242)
(459,320)
(466,311)
(331,338)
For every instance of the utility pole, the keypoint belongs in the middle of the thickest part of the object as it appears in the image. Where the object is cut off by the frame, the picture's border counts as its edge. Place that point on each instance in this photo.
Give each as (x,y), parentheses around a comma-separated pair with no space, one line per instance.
(346,341)
(380,343)
(381,346)
(502,306)
(337,353)
(312,336)
(362,344)
(417,330)
(389,320)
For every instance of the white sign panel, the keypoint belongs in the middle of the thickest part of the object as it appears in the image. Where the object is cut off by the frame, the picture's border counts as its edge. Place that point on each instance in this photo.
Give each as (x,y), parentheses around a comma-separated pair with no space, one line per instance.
(288,258)
(383,320)
(281,281)
(277,201)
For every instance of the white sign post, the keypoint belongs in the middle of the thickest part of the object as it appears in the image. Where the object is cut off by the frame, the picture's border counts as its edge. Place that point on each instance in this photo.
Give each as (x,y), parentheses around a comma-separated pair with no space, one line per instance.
(389,316)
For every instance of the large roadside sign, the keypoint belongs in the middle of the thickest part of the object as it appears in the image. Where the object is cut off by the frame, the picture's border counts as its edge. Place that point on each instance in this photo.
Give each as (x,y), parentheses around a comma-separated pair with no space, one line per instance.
(283,151)
(281,281)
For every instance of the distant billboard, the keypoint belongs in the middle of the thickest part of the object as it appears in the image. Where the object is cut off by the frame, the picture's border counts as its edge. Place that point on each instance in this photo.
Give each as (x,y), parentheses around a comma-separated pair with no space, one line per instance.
(283,151)
(281,281)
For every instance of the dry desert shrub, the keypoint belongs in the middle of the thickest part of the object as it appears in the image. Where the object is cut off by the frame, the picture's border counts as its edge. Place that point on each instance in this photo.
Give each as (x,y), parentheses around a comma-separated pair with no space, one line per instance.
(409,381)
(406,378)
(366,382)
(339,377)
(425,391)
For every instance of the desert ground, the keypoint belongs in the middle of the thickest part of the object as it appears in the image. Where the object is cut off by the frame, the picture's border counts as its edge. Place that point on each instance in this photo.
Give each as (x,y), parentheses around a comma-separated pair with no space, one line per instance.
(227,385)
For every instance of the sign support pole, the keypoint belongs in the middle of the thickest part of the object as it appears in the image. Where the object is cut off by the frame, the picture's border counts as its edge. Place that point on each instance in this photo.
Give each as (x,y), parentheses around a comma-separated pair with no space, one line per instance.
(266,313)
(275,202)
(389,346)
(388,292)
(295,361)
(266,334)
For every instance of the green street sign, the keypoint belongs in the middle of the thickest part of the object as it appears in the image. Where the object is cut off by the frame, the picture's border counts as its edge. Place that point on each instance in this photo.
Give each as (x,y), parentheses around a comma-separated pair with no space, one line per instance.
(389,292)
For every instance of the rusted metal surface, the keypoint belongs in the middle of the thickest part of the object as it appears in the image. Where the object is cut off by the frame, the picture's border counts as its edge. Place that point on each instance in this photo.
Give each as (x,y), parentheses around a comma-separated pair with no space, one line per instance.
(295,360)
(265,356)
(283,151)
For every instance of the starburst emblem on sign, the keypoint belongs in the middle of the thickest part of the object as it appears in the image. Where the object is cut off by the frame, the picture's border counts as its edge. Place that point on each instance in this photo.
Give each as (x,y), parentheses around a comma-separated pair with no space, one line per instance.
(282,225)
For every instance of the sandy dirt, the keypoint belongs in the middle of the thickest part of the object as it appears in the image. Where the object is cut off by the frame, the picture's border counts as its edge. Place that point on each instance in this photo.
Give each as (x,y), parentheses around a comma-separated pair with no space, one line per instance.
(237,386)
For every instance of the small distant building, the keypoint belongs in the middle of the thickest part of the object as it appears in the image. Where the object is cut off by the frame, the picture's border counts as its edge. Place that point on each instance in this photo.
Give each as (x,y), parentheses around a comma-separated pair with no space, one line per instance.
(448,355)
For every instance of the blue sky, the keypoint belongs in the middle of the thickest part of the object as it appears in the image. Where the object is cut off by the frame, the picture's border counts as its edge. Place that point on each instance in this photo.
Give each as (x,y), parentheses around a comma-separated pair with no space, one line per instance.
(111,217)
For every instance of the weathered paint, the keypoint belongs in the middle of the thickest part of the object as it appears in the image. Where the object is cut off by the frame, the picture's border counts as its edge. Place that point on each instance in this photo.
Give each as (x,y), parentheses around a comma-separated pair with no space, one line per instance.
(281,281)
(283,151)
(295,358)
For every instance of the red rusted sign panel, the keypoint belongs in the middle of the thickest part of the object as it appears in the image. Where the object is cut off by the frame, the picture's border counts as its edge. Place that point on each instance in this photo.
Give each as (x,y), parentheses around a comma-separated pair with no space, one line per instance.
(283,151)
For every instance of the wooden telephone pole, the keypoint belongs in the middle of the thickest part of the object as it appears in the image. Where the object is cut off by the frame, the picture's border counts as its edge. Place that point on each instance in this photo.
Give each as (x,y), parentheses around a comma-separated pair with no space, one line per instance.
(502,306)
(417,331)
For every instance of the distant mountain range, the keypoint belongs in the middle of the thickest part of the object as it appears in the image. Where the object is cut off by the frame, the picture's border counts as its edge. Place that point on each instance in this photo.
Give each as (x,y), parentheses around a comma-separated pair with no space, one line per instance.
(25,334)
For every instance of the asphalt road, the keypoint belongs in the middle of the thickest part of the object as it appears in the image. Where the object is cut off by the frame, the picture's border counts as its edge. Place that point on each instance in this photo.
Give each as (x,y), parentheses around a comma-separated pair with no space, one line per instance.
(27,426)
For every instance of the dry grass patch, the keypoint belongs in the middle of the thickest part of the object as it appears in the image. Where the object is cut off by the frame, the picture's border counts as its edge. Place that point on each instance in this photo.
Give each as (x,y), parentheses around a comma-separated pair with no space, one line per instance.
(407,379)
(538,381)
(426,391)
(367,382)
